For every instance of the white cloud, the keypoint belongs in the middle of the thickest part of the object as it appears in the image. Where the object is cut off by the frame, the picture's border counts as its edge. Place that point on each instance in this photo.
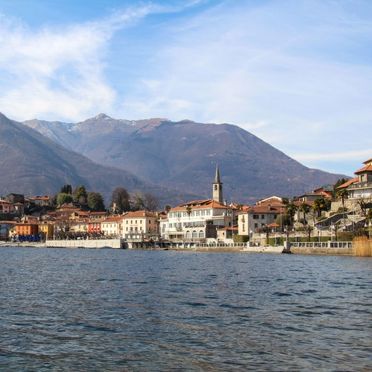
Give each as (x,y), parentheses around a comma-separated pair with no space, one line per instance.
(58,73)
(300,67)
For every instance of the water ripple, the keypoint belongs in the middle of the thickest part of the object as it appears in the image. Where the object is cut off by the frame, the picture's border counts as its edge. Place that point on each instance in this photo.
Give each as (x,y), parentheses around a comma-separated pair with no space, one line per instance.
(134,310)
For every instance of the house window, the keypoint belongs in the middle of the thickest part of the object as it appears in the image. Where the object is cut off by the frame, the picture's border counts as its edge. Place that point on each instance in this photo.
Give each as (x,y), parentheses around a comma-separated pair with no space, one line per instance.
(256,216)
(262,216)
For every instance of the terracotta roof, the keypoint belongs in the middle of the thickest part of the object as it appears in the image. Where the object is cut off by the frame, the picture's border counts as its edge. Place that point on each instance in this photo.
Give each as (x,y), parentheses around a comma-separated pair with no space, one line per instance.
(263,209)
(38,197)
(200,204)
(368,161)
(367,168)
(348,183)
(138,214)
(113,219)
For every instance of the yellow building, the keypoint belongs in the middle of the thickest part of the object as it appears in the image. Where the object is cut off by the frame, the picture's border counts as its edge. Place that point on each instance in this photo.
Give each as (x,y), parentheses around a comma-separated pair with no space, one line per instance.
(140,225)
(47,229)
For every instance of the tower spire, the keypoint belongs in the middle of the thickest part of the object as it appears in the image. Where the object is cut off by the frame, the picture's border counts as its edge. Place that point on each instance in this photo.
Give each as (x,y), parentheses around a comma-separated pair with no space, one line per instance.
(217,187)
(217,178)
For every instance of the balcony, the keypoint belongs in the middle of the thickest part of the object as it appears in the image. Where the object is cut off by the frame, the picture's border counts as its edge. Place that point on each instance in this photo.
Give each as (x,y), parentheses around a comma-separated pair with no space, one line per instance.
(360,185)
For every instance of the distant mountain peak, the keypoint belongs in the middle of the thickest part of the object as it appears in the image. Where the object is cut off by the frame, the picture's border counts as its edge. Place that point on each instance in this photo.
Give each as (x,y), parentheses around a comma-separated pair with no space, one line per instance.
(102,116)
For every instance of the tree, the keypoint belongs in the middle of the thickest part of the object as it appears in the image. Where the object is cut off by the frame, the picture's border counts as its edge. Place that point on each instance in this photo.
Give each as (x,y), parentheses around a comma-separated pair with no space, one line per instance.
(337,184)
(321,204)
(80,195)
(305,209)
(66,189)
(290,209)
(63,198)
(151,202)
(167,208)
(137,202)
(95,201)
(120,200)
(342,194)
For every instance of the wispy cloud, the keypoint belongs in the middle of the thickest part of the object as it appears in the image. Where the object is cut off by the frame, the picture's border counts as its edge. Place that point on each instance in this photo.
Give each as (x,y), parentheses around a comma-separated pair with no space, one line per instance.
(295,72)
(58,72)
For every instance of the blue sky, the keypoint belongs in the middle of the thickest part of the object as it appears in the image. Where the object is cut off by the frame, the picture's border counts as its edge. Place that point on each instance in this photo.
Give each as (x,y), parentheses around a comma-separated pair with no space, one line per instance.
(296,73)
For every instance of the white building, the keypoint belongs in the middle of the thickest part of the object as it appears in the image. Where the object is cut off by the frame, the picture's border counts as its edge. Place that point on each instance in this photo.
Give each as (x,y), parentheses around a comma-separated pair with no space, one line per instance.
(197,220)
(260,216)
(361,188)
(112,226)
(140,226)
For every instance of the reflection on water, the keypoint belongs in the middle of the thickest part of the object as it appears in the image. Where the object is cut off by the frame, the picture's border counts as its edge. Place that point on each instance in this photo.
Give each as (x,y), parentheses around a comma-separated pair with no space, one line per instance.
(136,310)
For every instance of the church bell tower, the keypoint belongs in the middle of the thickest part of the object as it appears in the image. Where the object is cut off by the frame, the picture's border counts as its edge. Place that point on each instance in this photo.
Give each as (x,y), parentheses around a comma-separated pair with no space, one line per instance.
(217,187)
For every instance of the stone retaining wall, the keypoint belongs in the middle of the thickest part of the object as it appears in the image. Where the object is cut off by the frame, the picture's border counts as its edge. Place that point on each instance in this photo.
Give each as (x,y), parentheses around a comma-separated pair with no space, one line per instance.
(89,243)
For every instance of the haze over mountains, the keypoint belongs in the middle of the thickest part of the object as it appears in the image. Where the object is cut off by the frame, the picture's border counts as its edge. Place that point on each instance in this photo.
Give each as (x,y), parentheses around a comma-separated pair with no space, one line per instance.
(32,164)
(183,155)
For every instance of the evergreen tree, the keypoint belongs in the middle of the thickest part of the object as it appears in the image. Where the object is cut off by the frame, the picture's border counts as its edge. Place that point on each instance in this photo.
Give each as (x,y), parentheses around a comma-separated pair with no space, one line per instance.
(66,189)
(95,201)
(63,198)
(80,195)
(120,200)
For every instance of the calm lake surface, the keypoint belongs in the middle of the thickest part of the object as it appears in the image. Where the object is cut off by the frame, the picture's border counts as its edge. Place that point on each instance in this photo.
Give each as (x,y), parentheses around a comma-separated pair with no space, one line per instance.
(116,310)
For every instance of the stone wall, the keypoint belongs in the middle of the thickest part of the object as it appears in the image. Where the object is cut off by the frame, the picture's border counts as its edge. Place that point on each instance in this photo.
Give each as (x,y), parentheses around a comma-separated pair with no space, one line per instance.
(362,247)
(89,243)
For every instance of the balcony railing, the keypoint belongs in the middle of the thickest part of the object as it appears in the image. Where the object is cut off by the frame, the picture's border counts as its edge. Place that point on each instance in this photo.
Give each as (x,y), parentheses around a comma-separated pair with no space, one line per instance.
(360,185)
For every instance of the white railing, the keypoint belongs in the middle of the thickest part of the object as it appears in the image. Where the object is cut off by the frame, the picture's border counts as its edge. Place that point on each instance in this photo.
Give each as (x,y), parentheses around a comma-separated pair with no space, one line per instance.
(329,244)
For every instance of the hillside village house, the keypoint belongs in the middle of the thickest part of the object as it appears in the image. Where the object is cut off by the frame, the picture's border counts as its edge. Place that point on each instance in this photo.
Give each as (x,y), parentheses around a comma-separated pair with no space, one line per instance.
(259,217)
(6,207)
(361,188)
(40,200)
(197,220)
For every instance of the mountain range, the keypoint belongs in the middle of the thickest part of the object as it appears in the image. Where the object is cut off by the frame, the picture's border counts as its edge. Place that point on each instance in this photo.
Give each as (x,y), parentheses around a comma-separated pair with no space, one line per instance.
(33,164)
(182,156)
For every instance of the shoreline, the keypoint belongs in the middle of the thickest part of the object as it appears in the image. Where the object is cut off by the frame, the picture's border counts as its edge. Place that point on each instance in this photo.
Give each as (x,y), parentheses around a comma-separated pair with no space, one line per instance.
(94,244)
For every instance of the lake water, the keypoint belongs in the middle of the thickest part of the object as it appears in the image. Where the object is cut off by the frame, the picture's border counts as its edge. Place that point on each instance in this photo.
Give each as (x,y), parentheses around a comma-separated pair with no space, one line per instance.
(115,310)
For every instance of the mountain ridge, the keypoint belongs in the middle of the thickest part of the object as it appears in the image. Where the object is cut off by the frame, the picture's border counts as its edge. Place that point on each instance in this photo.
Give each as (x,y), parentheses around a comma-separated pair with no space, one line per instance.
(182,155)
(31,163)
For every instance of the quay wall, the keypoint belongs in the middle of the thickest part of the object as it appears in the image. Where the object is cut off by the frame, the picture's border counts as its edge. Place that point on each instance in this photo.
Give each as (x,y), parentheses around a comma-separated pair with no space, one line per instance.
(347,251)
(362,247)
(89,243)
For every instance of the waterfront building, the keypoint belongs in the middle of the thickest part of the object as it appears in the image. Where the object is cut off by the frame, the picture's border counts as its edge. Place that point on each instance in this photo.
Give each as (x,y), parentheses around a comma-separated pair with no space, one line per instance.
(47,229)
(198,220)
(140,226)
(24,229)
(258,218)
(94,227)
(112,226)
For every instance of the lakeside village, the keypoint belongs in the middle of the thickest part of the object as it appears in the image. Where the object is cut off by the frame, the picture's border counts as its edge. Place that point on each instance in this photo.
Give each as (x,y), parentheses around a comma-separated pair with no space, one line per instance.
(324,217)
